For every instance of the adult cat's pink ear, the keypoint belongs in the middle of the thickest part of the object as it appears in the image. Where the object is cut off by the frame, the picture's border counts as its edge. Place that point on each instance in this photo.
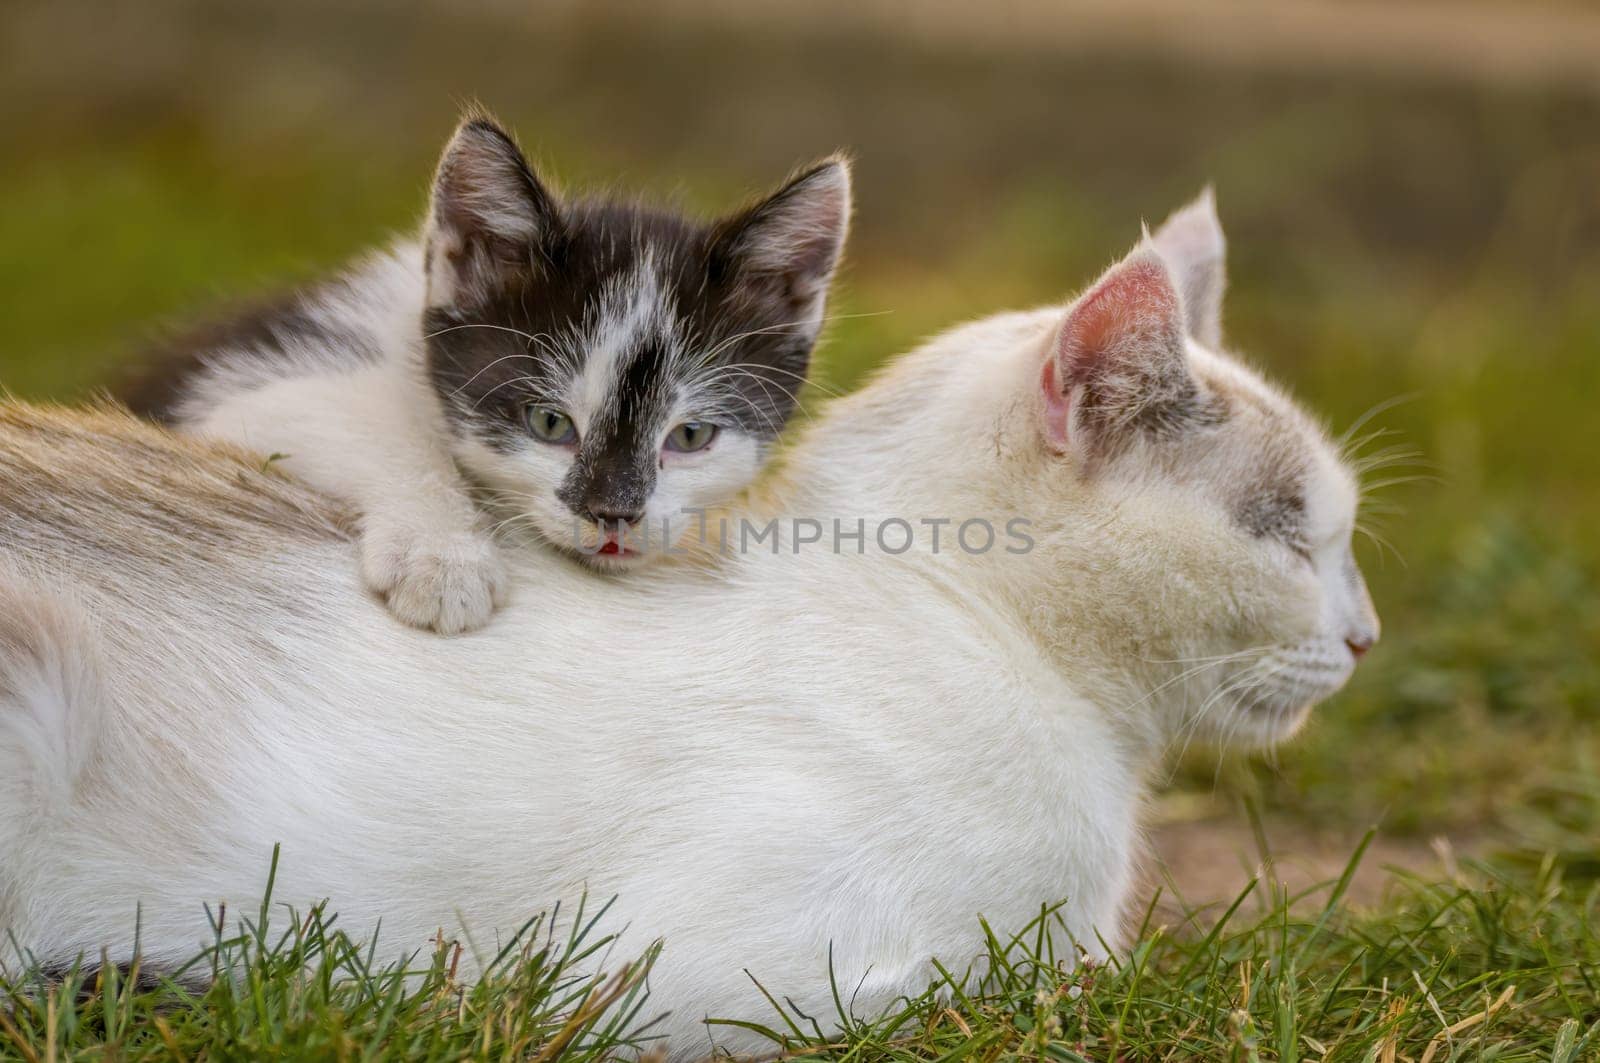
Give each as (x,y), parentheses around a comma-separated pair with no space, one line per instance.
(1191,241)
(487,216)
(1118,364)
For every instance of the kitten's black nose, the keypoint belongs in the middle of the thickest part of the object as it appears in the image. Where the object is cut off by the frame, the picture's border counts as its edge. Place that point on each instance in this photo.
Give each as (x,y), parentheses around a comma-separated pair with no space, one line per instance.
(612,516)
(607,490)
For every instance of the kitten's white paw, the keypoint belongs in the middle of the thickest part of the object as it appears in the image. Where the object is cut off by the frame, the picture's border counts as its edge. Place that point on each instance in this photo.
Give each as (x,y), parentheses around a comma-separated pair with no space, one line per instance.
(449,582)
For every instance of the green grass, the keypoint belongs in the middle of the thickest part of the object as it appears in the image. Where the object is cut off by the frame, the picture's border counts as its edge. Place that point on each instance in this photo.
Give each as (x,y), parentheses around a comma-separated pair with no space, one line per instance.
(1500,962)
(1491,967)
(291,985)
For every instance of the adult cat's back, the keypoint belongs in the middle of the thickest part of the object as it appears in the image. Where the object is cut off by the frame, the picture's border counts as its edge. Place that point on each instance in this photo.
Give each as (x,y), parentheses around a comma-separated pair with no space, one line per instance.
(102,479)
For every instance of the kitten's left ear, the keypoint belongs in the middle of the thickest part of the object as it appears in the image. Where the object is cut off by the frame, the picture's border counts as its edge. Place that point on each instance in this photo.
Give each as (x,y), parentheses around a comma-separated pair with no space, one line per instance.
(1192,243)
(488,215)
(789,244)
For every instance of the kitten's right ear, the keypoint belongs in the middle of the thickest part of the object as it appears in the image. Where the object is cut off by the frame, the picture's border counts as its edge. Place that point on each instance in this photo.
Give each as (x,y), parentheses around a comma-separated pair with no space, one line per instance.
(789,244)
(1192,243)
(488,215)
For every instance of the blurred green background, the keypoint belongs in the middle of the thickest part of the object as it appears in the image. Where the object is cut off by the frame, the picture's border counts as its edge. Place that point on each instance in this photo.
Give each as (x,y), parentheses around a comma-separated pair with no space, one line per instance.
(1411,191)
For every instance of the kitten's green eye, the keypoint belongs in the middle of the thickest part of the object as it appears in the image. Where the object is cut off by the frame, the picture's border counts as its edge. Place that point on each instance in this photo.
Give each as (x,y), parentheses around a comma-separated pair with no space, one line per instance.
(691,436)
(551,425)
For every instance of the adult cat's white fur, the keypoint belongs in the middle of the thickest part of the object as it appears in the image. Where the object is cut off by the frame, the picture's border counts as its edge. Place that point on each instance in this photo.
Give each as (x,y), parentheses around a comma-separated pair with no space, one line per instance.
(791,755)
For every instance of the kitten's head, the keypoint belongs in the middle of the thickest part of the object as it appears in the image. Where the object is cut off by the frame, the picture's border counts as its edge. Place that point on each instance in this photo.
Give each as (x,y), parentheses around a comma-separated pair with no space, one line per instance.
(1197,520)
(604,366)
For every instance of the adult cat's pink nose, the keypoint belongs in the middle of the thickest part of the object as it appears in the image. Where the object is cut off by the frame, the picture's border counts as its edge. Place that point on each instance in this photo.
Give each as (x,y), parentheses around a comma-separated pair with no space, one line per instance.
(1359,645)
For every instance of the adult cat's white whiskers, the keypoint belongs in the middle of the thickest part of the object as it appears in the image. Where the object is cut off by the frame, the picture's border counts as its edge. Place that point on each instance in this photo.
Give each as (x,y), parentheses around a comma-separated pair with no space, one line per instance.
(1397,455)
(1275,720)
(1191,724)
(1201,665)
(1352,449)
(1247,681)
(1381,506)
(1216,657)
(1396,481)
(1192,671)
(1369,506)
(1393,456)
(1370,532)
(1372,411)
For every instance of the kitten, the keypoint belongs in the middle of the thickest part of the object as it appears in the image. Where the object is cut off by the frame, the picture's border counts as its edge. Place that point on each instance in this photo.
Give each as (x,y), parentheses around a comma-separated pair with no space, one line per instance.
(591,370)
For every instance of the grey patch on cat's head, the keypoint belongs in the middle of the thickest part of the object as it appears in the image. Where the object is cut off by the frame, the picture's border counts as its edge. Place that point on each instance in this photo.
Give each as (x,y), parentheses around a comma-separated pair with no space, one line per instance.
(1277,442)
(621,316)
(1275,508)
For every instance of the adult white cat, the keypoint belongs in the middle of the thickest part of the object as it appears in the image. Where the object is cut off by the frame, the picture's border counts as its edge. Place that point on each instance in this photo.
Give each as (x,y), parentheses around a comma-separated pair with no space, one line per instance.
(793,752)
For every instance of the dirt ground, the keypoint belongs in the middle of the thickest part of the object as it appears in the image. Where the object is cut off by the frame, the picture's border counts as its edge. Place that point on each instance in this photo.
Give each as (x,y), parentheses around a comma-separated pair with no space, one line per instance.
(1207,862)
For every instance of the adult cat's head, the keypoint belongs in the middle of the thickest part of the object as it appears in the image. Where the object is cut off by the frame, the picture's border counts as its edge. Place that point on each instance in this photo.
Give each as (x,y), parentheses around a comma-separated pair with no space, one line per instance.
(1191,525)
(605,366)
